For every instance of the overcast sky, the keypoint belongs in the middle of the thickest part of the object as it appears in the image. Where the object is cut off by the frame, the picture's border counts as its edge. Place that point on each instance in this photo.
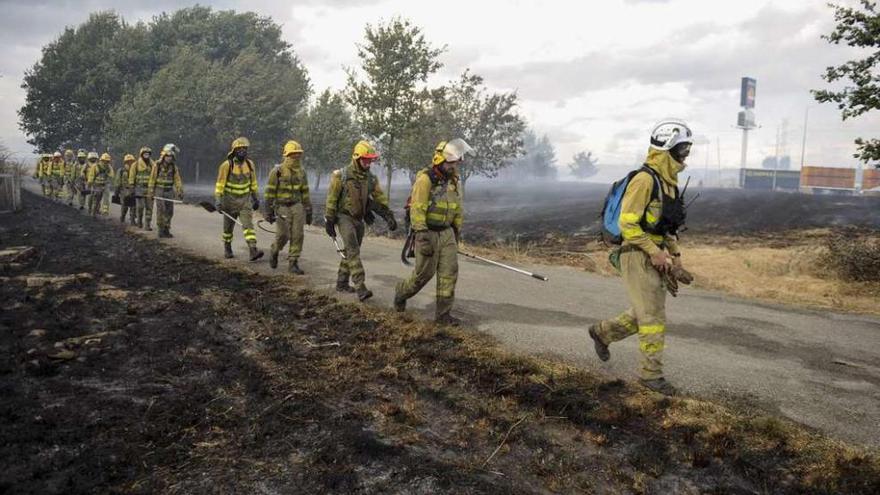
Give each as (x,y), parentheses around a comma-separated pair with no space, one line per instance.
(592,76)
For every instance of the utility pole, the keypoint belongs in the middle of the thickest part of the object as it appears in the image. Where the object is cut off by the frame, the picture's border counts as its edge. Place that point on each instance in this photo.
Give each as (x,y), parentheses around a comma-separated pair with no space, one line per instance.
(718,148)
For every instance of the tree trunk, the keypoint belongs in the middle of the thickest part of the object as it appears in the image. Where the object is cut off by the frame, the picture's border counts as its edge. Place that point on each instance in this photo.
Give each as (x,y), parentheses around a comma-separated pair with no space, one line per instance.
(317,181)
(463,181)
(389,167)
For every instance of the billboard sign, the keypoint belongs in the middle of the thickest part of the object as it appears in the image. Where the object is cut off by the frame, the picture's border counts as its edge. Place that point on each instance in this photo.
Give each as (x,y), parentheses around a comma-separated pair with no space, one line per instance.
(747,93)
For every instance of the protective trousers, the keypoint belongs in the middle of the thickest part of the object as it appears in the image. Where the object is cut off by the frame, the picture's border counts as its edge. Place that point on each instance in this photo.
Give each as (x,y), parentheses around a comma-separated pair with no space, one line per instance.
(95,199)
(289,227)
(351,231)
(71,192)
(164,210)
(105,204)
(124,208)
(436,253)
(646,316)
(143,206)
(240,208)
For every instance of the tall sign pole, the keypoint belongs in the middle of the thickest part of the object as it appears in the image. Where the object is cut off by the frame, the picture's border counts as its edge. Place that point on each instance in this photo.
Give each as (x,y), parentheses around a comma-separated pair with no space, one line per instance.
(746,118)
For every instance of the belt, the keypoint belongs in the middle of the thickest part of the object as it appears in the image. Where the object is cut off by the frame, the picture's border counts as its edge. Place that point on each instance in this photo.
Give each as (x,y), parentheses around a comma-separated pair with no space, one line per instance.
(439,229)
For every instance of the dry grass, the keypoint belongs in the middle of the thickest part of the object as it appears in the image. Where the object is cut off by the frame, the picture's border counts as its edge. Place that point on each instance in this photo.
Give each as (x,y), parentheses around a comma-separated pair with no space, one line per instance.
(807,268)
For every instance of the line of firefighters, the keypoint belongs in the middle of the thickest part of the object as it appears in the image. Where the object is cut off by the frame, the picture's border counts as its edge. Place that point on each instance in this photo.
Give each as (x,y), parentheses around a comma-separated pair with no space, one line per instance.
(648,255)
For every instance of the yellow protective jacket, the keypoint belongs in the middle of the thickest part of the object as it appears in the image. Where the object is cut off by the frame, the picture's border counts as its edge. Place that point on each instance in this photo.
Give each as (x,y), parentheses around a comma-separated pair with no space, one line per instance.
(42,170)
(638,203)
(139,173)
(435,202)
(122,177)
(56,168)
(236,178)
(288,185)
(350,190)
(99,174)
(165,177)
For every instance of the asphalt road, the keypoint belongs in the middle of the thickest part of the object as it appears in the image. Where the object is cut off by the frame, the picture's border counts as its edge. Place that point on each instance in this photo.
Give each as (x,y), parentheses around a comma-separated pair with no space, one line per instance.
(820,369)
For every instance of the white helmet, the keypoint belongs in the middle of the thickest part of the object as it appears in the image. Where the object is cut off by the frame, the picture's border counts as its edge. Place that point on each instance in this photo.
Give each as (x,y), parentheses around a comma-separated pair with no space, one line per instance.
(669,132)
(455,150)
(170,149)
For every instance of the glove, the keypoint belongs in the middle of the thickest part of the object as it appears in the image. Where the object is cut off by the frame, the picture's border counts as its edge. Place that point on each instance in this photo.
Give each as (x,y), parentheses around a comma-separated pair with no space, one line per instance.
(218,205)
(255,204)
(270,217)
(392,223)
(369,217)
(457,235)
(330,226)
(308,217)
(682,275)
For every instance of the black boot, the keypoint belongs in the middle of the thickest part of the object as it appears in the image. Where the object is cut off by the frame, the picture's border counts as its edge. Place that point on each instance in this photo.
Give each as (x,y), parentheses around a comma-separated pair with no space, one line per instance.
(342,285)
(448,319)
(364,293)
(659,385)
(294,268)
(255,253)
(601,347)
(227,250)
(273,259)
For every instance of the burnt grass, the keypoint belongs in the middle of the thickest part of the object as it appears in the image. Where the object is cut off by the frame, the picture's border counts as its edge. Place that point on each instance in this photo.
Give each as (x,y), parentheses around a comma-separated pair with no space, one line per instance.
(199,378)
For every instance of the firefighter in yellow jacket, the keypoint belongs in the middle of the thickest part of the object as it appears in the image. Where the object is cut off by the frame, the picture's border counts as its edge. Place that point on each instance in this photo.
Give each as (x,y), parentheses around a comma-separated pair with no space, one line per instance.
(138,183)
(122,190)
(69,163)
(165,184)
(56,176)
(352,197)
(98,175)
(236,194)
(42,172)
(651,210)
(436,217)
(288,202)
(76,176)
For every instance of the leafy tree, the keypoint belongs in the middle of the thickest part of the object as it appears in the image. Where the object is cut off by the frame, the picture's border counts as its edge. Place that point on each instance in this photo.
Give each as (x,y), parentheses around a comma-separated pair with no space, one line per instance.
(174,106)
(80,76)
(857,27)
(396,61)
(257,97)
(488,123)
(327,134)
(583,165)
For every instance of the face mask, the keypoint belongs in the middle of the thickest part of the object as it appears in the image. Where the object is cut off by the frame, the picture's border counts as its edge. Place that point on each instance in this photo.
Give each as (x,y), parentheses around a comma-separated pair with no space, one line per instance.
(680,152)
(81,161)
(145,156)
(241,154)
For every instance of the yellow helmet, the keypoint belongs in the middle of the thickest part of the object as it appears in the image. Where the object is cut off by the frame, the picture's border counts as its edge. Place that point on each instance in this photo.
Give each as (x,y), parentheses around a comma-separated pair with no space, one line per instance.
(241,142)
(68,153)
(363,149)
(128,158)
(45,156)
(106,157)
(292,148)
(81,154)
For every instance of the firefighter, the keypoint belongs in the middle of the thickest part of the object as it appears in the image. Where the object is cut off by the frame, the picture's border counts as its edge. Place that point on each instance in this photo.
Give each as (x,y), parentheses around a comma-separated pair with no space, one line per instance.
(123,192)
(436,217)
(76,176)
(288,202)
(41,172)
(98,175)
(165,184)
(56,176)
(138,182)
(352,196)
(649,220)
(69,163)
(237,195)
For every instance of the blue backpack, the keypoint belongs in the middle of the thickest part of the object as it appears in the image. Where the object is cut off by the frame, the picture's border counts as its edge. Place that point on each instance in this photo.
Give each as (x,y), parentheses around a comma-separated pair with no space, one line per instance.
(614,202)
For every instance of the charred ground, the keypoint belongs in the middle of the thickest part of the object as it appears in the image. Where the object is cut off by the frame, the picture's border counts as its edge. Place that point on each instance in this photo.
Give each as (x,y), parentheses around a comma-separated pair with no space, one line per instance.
(126,366)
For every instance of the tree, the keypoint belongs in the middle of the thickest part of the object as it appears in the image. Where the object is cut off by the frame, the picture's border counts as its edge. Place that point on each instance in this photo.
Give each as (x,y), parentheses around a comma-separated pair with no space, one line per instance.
(396,61)
(539,160)
(488,123)
(328,134)
(78,79)
(583,165)
(857,27)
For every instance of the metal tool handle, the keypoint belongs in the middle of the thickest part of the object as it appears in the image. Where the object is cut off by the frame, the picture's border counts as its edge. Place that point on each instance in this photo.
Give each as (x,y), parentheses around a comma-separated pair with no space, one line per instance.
(506,267)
